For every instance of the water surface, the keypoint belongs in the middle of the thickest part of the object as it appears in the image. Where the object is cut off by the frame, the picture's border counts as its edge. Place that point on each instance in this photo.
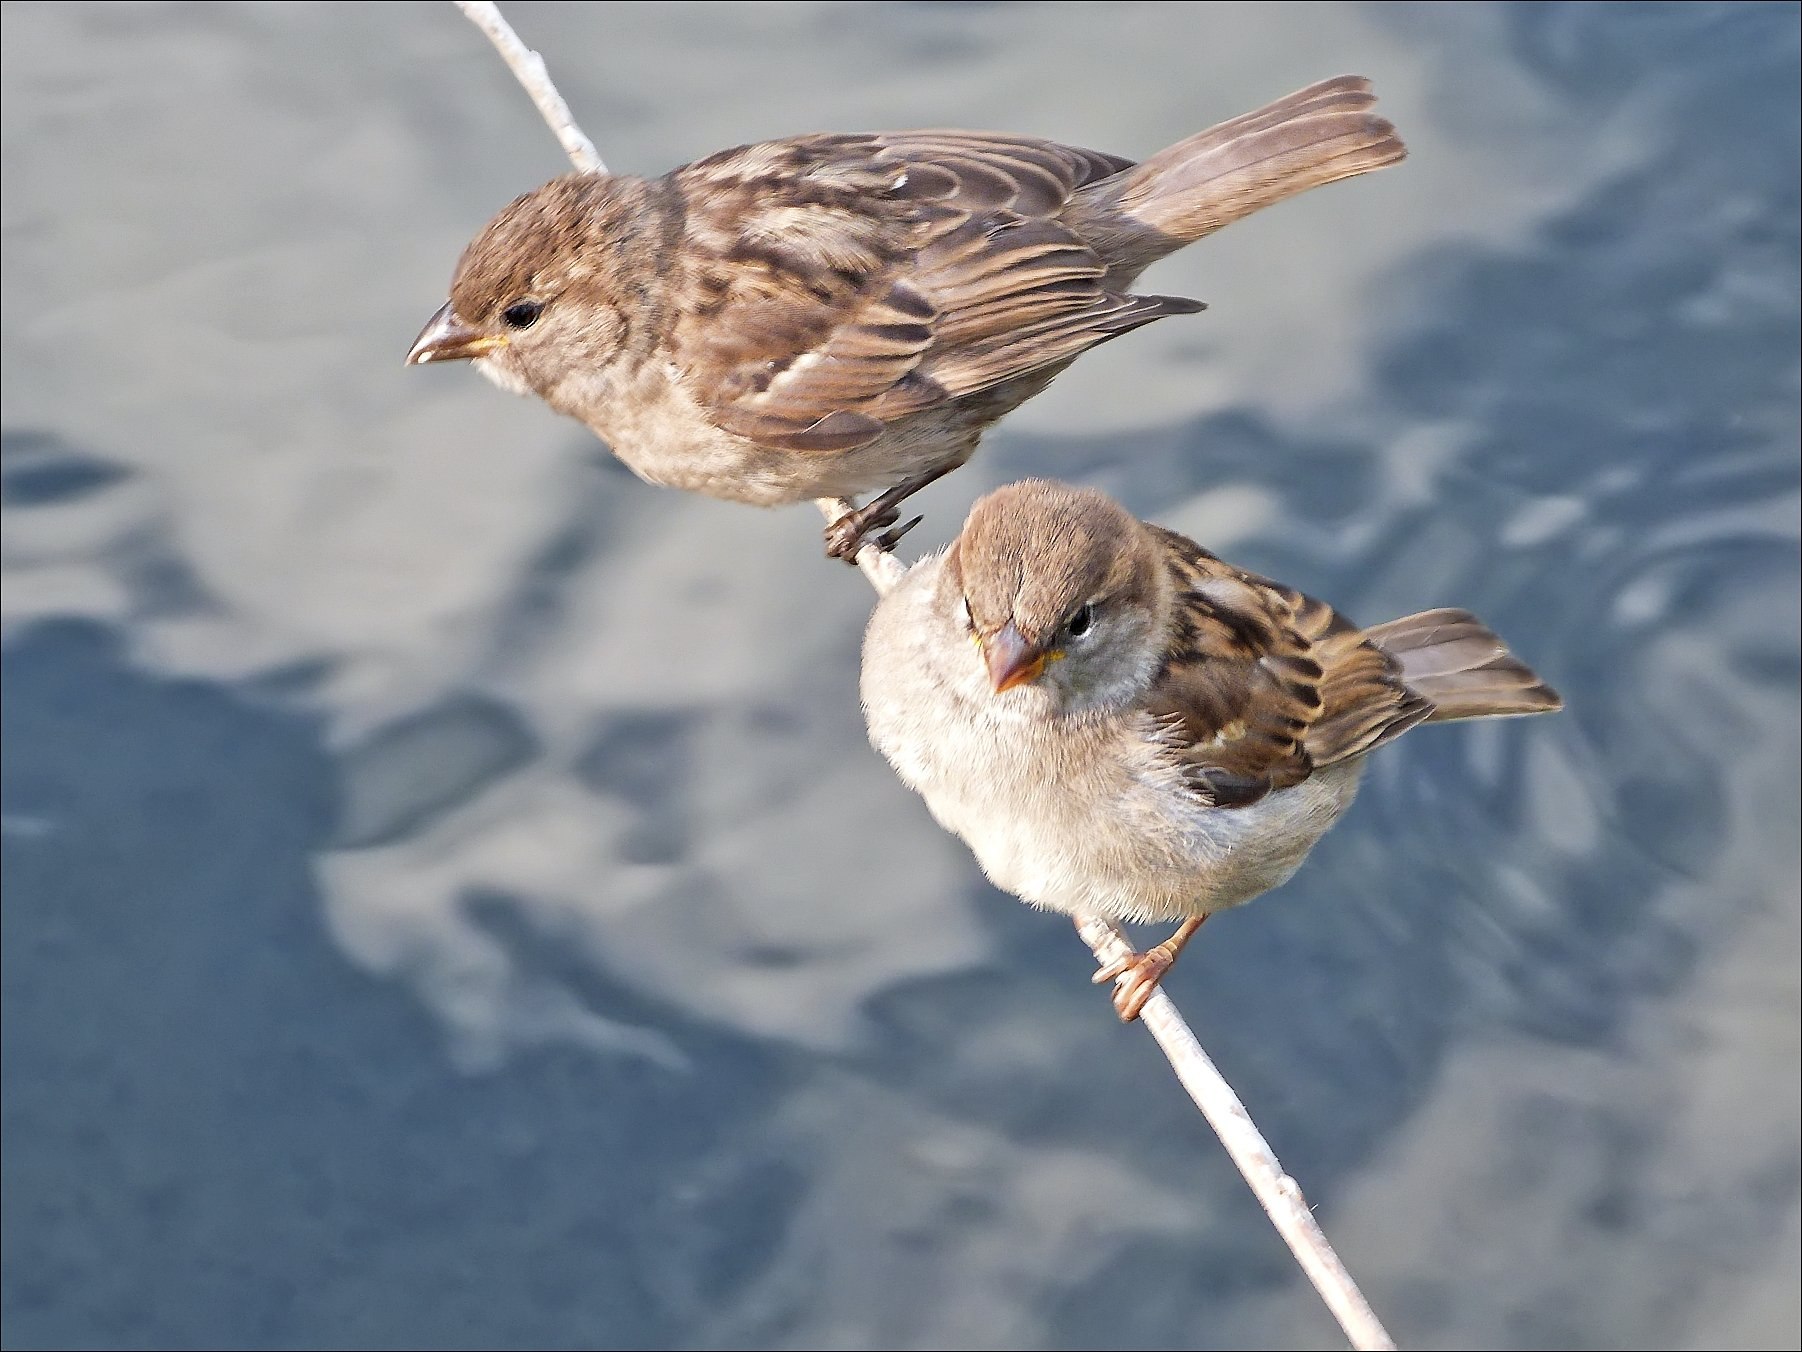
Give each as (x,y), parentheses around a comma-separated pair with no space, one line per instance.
(448,897)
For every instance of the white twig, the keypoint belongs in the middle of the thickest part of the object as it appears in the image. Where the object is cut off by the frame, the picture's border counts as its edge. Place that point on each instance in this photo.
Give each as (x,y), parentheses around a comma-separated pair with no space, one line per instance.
(1281,1196)
(528,68)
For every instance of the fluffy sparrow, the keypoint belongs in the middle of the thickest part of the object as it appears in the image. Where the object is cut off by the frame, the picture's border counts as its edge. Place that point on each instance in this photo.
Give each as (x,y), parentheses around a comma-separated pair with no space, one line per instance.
(1119,723)
(834,315)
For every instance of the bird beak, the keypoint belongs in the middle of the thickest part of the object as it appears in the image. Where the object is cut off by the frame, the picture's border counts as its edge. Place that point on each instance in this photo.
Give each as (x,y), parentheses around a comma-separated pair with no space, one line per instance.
(1011,659)
(447,338)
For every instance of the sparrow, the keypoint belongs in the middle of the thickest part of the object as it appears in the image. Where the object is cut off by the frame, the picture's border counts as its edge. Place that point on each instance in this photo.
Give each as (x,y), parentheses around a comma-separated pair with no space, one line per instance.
(834,315)
(1119,723)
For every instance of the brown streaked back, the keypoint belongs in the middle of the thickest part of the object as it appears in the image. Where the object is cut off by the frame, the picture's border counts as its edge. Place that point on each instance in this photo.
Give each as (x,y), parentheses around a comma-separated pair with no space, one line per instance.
(1264,684)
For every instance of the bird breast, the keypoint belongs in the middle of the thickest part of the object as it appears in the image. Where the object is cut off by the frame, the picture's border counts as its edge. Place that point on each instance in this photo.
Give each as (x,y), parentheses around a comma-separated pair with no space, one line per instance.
(1084,813)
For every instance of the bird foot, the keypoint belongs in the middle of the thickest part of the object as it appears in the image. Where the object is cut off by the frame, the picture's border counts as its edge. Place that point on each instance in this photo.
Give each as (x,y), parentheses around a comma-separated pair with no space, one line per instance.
(1137,975)
(845,536)
(851,531)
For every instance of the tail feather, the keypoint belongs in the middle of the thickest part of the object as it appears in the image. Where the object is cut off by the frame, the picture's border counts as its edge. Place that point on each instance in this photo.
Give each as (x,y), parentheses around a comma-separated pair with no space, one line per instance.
(1452,659)
(1315,136)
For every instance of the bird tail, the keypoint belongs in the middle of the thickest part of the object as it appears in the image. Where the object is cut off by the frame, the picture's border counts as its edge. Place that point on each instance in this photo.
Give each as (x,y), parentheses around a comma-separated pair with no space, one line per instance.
(1452,659)
(1315,136)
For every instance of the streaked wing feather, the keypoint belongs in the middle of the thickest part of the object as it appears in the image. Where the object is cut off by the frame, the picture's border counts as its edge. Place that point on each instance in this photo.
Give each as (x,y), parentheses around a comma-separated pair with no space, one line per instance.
(847,281)
(1041,342)
(1265,684)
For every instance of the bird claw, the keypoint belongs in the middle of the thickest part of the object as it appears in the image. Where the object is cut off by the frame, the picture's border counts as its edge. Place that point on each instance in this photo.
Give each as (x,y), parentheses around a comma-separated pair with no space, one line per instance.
(847,535)
(1115,968)
(1135,976)
(892,537)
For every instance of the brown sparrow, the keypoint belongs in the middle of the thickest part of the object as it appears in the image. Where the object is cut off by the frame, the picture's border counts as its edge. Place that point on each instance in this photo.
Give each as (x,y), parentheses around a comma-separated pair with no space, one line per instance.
(833,315)
(1119,723)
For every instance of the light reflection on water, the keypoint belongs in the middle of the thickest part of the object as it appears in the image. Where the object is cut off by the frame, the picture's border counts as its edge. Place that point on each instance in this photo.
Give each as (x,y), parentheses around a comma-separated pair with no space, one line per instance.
(448,897)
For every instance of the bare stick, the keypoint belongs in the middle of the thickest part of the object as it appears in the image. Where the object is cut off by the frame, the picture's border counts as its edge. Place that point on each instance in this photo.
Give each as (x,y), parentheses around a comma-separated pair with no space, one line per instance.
(528,68)
(1280,1195)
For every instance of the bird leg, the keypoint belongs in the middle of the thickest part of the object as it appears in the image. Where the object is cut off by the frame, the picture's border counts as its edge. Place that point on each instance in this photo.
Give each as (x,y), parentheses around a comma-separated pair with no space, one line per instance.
(1137,975)
(845,536)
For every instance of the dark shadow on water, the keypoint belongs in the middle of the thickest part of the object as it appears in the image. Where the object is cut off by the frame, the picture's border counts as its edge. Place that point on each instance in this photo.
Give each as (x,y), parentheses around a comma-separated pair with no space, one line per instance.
(40,469)
(218,1134)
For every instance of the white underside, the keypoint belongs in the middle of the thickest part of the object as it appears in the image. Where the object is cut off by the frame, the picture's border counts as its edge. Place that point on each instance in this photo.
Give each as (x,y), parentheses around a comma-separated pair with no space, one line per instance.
(1078,814)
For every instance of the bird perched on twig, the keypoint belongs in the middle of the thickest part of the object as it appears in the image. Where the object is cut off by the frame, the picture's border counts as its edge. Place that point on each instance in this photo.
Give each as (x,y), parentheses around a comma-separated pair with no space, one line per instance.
(1119,723)
(835,315)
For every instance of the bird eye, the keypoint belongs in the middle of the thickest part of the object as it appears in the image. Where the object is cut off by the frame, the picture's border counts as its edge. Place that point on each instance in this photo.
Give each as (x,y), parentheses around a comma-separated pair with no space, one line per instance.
(522,313)
(963,613)
(1082,621)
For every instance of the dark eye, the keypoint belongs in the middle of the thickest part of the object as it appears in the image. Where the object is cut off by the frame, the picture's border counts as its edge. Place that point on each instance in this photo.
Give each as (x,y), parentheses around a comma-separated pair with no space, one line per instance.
(522,313)
(1082,621)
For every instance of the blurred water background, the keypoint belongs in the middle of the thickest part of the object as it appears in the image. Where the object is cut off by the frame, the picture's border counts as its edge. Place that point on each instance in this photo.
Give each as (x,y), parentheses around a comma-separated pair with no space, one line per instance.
(449,900)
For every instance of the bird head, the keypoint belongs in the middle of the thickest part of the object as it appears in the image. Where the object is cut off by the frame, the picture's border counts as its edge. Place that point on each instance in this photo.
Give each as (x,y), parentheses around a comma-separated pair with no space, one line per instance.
(1061,592)
(535,299)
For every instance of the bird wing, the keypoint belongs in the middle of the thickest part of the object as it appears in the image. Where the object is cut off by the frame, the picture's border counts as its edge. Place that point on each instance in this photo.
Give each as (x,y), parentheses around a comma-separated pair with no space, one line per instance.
(842,282)
(1264,684)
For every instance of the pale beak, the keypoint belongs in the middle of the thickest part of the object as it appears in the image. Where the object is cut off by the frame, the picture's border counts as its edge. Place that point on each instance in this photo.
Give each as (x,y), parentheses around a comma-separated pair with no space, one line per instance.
(1011,659)
(447,338)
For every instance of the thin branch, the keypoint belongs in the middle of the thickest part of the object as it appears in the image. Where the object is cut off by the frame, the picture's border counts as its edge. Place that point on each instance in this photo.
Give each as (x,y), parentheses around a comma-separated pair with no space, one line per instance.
(1280,1195)
(528,68)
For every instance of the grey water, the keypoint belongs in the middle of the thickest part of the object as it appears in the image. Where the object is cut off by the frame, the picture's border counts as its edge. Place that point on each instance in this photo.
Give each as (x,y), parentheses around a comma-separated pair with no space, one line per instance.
(448,897)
